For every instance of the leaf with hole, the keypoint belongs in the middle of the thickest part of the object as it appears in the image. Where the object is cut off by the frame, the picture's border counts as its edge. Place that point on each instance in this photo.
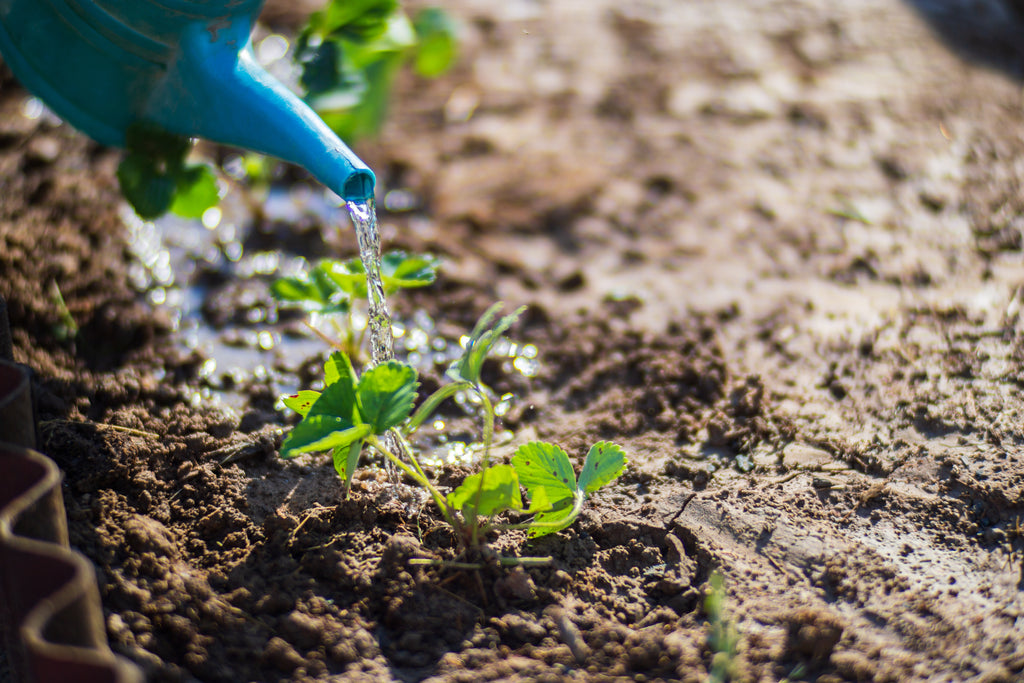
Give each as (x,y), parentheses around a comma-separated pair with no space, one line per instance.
(604,463)
(302,401)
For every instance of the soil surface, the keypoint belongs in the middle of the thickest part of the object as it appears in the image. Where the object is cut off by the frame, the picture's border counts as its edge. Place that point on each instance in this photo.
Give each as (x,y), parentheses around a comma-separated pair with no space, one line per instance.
(772,249)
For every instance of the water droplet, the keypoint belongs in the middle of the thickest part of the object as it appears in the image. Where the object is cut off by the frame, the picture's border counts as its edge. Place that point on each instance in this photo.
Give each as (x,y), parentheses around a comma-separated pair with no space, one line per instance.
(33,108)
(211,217)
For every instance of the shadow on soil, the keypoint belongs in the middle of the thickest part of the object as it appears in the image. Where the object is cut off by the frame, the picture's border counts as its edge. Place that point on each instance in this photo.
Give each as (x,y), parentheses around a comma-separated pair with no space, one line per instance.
(990,32)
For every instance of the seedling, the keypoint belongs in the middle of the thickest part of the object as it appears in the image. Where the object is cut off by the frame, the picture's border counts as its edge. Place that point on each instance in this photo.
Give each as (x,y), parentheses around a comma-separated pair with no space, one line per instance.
(332,288)
(724,637)
(355,411)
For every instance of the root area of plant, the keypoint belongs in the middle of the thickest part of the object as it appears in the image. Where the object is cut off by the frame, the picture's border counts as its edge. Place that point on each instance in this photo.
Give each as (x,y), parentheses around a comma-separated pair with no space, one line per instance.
(773,249)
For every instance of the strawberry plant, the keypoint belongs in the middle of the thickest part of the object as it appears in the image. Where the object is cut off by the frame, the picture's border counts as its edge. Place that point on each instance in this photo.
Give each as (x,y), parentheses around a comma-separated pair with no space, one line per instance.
(356,411)
(331,289)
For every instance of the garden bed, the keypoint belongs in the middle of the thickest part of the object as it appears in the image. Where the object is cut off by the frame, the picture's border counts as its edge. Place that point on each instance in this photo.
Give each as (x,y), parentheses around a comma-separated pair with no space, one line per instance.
(772,249)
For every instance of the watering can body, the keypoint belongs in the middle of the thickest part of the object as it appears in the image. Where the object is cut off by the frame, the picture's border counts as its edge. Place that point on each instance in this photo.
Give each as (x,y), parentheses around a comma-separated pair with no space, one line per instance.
(185,66)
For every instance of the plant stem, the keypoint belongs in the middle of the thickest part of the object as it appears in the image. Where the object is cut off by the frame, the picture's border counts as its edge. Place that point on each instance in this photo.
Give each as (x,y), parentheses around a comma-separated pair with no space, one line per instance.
(486,458)
(416,476)
(556,524)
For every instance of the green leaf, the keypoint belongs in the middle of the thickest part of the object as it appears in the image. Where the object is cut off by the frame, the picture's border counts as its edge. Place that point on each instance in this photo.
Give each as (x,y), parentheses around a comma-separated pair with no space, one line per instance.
(338,367)
(604,462)
(400,270)
(315,291)
(339,398)
(346,459)
(558,519)
(386,395)
(544,465)
(195,191)
(438,42)
(348,276)
(321,67)
(302,401)
(480,342)
(497,488)
(321,433)
(149,191)
(356,19)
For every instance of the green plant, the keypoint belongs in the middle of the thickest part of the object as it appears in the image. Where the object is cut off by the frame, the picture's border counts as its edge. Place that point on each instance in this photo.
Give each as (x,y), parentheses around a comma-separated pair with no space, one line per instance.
(351,50)
(724,637)
(155,178)
(333,287)
(355,411)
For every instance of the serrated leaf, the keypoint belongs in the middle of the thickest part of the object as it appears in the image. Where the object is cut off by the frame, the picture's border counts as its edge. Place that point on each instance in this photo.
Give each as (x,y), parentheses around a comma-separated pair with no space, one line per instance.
(386,395)
(321,433)
(545,465)
(346,459)
(302,401)
(195,191)
(338,399)
(604,463)
(338,367)
(498,490)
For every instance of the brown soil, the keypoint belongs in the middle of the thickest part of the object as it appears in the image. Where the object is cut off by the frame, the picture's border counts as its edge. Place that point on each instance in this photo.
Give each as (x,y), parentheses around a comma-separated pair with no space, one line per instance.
(773,249)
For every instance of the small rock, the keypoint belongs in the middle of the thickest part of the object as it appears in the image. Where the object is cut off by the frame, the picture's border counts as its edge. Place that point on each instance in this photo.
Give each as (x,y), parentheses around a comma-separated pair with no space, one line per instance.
(282,656)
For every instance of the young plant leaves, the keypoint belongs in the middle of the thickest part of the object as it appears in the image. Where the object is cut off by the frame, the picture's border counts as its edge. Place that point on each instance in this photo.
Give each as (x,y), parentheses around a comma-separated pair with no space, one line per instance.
(545,466)
(386,395)
(322,433)
(346,458)
(497,488)
(551,486)
(480,342)
(605,462)
(338,367)
(302,401)
(338,399)
(195,191)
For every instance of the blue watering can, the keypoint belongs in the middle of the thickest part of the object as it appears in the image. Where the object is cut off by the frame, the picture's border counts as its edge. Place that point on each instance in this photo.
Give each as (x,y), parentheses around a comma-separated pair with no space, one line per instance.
(185,66)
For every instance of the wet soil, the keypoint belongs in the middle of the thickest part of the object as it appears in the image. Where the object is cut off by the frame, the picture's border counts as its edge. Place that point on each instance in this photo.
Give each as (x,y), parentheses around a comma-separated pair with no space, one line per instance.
(773,249)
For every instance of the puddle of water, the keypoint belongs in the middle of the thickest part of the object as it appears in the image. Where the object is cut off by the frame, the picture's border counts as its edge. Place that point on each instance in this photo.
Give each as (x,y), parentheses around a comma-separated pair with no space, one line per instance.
(217,296)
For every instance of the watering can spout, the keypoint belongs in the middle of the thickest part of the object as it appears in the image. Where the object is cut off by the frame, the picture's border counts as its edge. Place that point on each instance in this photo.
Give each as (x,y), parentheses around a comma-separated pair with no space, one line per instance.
(184,65)
(215,90)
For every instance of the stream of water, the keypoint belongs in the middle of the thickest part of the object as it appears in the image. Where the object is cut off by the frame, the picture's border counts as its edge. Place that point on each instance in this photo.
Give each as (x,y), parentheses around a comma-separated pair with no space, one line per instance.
(382,340)
(382,344)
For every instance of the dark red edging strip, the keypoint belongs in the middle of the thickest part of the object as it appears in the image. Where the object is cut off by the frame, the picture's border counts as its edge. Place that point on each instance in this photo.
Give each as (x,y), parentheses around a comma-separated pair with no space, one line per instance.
(50,613)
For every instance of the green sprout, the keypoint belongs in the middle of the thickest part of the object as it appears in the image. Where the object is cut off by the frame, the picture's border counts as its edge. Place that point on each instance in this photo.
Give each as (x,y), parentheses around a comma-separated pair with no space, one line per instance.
(724,637)
(331,287)
(355,411)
